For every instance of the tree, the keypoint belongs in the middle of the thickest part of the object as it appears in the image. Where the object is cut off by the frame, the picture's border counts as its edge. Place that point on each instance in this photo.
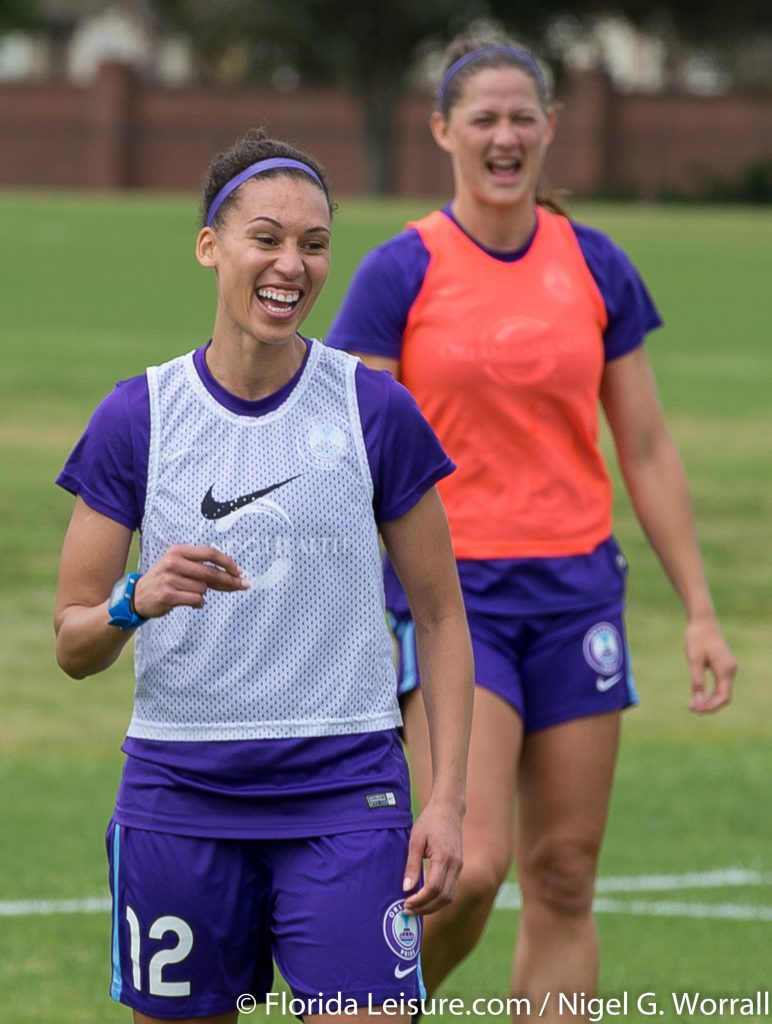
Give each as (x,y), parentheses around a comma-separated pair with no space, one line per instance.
(366,48)
(369,48)
(15,14)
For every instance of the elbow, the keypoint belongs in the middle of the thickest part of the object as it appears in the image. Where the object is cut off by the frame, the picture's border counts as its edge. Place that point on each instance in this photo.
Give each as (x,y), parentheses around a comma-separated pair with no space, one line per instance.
(74,659)
(650,447)
(72,656)
(70,665)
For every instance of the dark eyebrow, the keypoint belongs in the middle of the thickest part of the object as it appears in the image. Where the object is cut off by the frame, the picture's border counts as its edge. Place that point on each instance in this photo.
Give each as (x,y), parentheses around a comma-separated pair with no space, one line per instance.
(270,220)
(278,224)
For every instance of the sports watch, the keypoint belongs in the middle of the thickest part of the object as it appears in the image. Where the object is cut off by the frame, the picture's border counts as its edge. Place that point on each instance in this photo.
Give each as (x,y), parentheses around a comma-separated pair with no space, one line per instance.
(121,603)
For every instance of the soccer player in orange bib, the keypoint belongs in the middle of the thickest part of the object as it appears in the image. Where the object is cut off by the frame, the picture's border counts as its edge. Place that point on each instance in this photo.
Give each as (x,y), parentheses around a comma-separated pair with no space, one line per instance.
(511,324)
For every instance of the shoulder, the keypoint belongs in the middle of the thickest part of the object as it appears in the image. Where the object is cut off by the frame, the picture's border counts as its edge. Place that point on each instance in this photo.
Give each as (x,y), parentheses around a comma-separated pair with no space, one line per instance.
(631,310)
(108,466)
(127,400)
(377,304)
(404,256)
(588,234)
(380,394)
(598,249)
(407,241)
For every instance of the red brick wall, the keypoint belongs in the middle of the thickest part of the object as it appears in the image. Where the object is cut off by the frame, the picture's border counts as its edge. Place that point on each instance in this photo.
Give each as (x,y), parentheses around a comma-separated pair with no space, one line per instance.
(122,132)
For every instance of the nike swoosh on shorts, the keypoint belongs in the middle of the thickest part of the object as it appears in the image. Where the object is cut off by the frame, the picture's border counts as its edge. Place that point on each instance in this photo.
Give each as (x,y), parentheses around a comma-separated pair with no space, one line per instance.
(602,684)
(399,972)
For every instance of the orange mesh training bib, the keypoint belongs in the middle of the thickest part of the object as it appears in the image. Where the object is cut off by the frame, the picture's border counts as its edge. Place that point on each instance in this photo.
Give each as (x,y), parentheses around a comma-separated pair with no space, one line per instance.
(505,360)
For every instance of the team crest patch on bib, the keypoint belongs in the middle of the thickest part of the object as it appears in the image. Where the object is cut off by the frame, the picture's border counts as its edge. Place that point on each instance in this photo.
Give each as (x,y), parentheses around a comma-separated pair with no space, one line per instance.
(325,444)
(602,647)
(402,931)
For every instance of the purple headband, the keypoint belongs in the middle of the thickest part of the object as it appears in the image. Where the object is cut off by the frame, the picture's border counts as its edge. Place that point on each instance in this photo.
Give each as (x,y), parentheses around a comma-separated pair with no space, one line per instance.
(274,162)
(454,68)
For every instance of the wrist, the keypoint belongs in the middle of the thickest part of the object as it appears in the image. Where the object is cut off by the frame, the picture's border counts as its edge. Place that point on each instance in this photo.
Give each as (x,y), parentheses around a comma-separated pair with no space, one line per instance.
(700,614)
(120,605)
(133,600)
(452,803)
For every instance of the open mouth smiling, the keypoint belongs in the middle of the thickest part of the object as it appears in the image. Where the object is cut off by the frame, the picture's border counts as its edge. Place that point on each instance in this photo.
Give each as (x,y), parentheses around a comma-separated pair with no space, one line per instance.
(277,302)
(505,166)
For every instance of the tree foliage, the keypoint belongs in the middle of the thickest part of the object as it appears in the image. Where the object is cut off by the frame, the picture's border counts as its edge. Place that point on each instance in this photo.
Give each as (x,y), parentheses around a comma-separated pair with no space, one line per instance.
(16,14)
(369,47)
(366,48)
(702,21)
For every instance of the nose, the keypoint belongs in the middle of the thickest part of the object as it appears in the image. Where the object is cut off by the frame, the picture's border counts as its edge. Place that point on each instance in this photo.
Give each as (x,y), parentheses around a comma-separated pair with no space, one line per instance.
(289,260)
(506,133)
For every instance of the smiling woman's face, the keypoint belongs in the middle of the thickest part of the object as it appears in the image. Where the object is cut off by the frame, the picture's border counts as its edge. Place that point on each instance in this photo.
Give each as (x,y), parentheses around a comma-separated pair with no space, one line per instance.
(497,134)
(271,254)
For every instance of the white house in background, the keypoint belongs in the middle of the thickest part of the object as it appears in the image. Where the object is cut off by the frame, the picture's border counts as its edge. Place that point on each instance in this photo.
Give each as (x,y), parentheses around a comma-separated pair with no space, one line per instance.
(117,34)
(82,34)
(637,61)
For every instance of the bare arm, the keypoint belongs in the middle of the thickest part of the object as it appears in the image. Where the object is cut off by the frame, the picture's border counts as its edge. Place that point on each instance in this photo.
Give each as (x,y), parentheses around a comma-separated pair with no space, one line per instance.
(419,546)
(656,482)
(93,557)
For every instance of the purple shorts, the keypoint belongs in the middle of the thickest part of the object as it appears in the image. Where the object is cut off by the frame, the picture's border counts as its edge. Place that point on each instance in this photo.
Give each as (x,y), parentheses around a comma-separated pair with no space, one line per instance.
(198,921)
(549,668)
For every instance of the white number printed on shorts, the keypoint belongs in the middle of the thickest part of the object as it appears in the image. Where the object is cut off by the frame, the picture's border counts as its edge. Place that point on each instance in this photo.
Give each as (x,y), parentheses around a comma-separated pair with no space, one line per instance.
(156,984)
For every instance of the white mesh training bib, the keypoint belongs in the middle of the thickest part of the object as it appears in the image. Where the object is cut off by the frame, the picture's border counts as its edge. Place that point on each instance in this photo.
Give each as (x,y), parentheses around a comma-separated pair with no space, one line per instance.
(288,495)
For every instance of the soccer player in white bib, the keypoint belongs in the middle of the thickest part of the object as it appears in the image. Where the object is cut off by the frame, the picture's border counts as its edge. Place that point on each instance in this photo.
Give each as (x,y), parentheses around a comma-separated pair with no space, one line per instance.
(264,809)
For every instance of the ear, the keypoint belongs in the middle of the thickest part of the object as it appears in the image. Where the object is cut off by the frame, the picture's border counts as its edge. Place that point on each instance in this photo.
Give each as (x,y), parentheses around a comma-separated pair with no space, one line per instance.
(206,247)
(439,128)
(552,123)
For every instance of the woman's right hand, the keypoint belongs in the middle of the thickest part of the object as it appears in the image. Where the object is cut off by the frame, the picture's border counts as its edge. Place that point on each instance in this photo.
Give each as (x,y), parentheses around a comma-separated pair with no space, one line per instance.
(94,556)
(182,576)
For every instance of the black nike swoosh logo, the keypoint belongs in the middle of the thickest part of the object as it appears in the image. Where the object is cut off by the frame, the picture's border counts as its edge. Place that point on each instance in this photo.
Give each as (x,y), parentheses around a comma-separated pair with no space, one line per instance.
(211,509)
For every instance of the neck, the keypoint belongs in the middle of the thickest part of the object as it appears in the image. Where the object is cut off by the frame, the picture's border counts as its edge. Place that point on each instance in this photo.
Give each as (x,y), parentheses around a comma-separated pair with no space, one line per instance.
(501,228)
(254,369)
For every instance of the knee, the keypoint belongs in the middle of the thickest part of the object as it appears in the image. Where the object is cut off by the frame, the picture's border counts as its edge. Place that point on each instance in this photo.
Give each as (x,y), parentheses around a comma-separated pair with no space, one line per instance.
(481,879)
(559,874)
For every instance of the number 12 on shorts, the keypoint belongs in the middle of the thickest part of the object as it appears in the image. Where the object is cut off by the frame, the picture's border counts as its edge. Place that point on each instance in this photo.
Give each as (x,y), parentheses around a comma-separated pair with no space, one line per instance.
(173,955)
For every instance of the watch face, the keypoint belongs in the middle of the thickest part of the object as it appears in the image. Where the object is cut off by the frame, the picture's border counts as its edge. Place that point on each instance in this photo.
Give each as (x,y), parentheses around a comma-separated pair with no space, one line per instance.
(117,592)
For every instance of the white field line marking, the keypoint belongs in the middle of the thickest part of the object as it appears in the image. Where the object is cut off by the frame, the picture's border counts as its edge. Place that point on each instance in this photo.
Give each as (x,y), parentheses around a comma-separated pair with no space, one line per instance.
(509,897)
(27,908)
(691,880)
(509,894)
(680,908)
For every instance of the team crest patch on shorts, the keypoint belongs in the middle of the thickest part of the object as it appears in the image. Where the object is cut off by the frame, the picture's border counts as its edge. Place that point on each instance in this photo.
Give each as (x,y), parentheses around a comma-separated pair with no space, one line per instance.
(602,647)
(402,931)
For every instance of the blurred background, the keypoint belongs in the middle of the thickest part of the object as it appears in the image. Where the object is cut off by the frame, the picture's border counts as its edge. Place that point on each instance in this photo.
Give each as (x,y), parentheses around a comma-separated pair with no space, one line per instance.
(660,100)
(109,114)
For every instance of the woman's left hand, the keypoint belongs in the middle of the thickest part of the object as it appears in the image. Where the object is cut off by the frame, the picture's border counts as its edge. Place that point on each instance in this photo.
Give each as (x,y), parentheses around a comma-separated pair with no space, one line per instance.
(706,649)
(436,839)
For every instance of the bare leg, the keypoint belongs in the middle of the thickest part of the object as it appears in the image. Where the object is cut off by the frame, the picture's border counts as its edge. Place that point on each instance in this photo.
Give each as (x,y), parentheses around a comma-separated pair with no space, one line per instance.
(566,775)
(452,933)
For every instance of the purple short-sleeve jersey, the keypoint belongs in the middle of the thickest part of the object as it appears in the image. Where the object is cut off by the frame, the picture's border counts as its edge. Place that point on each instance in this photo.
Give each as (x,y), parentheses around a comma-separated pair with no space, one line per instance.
(375,310)
(108,466)
(263,788)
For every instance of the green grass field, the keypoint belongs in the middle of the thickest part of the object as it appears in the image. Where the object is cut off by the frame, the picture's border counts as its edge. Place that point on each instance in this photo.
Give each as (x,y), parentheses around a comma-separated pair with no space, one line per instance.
(96,287)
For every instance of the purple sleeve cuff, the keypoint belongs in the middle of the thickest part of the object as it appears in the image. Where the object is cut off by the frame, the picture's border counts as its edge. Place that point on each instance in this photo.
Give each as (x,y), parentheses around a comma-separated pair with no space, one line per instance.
(630,308)
(108,466)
